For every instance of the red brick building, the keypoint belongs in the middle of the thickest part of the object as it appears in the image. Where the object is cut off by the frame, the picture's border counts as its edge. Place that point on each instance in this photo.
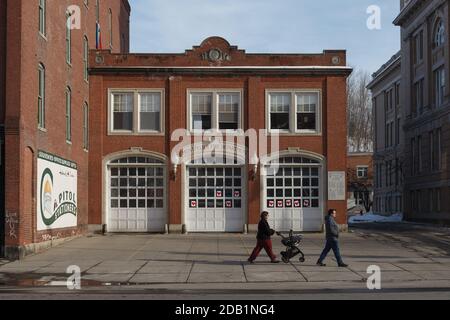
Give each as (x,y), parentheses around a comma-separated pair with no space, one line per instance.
(137,185)
(360,180)
(44,112)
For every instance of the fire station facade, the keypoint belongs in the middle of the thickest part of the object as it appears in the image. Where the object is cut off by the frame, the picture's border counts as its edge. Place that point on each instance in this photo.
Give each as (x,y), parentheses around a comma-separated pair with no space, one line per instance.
(143,102)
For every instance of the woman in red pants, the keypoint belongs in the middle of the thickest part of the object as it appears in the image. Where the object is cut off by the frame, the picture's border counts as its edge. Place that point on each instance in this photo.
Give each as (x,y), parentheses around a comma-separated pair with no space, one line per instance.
(264,241)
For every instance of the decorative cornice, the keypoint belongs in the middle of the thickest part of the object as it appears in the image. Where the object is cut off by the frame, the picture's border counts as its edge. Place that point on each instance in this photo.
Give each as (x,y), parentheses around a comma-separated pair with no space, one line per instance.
(232,70)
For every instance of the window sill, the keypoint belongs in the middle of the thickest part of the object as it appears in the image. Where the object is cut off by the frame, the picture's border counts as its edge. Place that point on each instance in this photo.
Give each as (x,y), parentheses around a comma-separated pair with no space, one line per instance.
(294,134)
(42,129)
(137,134)
(69,142)
(212,132)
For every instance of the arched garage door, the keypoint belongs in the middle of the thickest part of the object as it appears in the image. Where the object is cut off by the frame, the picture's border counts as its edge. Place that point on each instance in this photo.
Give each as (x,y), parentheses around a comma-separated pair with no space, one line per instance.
(137,195)
(216,196)
(293,193)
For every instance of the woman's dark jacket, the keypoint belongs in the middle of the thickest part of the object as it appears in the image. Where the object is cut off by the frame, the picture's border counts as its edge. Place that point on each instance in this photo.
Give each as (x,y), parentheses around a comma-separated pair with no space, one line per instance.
(264,231)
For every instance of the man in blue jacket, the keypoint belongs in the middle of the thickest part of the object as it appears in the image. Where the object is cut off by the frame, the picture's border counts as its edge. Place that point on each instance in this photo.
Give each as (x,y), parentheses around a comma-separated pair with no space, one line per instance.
(332,234)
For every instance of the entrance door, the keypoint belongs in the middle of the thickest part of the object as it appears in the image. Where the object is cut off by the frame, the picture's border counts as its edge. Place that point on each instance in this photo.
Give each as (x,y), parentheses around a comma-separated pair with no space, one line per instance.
(215,198)
(137,197)
(293,194)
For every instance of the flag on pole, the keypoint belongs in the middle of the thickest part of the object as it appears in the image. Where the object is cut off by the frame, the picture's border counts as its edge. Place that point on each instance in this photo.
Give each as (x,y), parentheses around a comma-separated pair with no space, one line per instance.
(98,37)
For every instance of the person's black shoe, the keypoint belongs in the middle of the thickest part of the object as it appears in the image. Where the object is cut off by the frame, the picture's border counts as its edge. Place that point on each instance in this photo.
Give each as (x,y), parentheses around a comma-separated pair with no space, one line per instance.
(321,264)
(251,261)
(343,265)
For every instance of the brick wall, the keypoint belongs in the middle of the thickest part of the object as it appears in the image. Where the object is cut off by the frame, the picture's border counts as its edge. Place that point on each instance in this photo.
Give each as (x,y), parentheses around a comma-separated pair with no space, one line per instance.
(331,143)
(26,49)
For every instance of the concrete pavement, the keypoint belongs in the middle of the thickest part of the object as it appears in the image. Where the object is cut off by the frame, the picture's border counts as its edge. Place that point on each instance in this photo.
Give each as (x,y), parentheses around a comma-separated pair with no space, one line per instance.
(218,261)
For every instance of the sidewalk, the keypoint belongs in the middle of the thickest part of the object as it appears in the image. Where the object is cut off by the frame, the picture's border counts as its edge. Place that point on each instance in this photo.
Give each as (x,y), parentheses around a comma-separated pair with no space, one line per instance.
(215,260)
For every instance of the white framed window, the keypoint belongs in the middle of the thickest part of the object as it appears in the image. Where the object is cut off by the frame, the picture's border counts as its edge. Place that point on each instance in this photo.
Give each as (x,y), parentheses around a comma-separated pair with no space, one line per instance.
(122,111)
(215,109)
(150,111)
(280,111)
(293,111)
(362,172)
(136,111)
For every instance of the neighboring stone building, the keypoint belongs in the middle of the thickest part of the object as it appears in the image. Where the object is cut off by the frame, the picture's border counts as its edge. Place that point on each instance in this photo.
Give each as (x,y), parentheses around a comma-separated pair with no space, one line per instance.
(423,108)
(359,181)
(425,100)
(141,100)
(44,112)
(388,157)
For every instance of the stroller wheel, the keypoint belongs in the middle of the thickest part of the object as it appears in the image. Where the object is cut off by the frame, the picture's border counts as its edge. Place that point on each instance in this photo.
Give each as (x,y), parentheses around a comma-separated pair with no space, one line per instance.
(285,260)
(302,259)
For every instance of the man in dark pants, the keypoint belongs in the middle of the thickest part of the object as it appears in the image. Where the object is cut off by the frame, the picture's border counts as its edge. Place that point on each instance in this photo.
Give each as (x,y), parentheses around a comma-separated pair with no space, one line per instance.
(264,241)
(332,234)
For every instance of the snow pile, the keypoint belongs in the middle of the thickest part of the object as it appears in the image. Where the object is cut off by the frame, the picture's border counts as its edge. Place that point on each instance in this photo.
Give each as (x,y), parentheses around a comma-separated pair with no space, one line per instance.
(371,217)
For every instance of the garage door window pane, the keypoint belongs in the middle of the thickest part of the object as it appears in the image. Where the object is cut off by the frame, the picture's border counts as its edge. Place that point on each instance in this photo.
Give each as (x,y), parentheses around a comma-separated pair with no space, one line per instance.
(280,105)
(114,203)
(201,109)
(150,111)
(123,105)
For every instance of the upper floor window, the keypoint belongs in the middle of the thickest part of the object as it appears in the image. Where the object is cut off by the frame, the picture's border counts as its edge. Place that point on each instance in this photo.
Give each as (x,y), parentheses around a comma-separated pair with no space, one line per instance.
(86,126)
(97,10)
(294,112)
(150,111)
(216,110)
(136,112)
(68,40)
(397,94)
(362,172)
(41,96)
(85,58)
(439,35)
(439,86)
(418,47)
(418,97)
(389,99)
(42,17)
(68,114)
(110,25)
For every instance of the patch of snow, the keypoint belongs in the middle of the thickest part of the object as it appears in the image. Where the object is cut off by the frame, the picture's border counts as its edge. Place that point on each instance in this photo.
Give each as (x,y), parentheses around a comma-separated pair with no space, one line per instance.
(371,217)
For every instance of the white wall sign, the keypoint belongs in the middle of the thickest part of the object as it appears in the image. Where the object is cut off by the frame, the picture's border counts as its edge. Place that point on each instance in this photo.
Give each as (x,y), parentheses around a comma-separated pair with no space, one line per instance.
(336,186)
(56,192)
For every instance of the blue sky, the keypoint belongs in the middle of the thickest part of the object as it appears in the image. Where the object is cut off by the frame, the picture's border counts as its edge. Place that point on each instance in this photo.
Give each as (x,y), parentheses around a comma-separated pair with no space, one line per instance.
(268,26)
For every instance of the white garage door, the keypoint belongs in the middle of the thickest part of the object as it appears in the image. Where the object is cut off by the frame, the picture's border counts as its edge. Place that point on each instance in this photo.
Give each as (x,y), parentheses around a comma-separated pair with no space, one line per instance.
(293,194)
(215,199)
(137,195)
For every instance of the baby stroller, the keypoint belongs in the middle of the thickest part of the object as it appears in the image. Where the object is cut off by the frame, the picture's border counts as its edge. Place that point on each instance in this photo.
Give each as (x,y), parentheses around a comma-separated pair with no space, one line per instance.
(292,247)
